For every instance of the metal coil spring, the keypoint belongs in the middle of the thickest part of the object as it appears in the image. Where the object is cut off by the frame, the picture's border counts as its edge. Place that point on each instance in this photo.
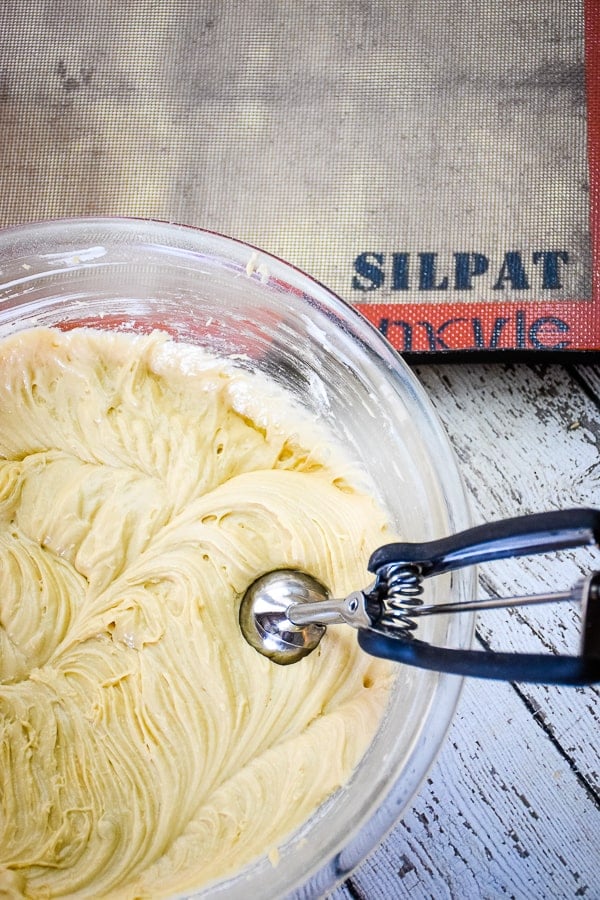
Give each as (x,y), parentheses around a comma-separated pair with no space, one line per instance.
(400,586)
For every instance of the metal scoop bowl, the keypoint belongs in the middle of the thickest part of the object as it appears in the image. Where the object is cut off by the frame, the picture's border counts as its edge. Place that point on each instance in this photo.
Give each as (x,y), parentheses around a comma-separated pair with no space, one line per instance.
(284,614)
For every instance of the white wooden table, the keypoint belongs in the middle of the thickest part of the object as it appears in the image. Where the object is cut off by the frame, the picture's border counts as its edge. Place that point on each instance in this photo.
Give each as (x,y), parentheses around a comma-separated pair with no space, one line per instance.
(512,807)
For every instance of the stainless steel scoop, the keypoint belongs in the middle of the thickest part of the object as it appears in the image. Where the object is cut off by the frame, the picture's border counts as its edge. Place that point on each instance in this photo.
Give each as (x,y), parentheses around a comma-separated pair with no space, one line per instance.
(284,613)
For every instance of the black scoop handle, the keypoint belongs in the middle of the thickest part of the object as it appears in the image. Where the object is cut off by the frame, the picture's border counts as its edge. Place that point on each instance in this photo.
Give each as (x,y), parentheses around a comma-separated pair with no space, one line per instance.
(519,536)
(536,668)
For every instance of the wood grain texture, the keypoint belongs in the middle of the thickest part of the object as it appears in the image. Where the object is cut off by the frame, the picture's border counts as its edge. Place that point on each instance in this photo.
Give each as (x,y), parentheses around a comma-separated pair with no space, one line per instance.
(501,815)
(512,808)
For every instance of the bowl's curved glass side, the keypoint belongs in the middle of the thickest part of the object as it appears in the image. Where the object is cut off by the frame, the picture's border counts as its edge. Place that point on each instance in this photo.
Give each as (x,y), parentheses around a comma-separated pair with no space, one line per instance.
(265,315)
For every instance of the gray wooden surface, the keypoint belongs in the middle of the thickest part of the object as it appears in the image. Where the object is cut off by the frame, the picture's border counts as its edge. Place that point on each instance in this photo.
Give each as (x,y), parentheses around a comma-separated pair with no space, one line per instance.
(512,806)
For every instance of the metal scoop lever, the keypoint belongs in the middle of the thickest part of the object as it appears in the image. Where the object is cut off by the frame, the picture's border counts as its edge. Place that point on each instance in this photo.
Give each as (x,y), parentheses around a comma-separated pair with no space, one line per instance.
(284,614)
(353,610)
(498,602)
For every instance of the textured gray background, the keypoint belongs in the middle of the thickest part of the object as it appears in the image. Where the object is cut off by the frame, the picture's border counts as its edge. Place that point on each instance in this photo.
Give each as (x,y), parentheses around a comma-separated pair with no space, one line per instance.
(314,130)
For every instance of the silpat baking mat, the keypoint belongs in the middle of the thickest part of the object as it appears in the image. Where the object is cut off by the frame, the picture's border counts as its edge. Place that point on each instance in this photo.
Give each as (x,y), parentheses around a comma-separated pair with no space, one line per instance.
(430,162)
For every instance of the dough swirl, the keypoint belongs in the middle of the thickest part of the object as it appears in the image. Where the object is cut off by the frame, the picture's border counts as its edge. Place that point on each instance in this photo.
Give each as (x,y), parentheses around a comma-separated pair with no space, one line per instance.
(143,743)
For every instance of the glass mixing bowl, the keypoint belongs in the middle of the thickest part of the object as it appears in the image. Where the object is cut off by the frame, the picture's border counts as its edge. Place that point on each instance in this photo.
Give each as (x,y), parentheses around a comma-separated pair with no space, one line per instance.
(247,305)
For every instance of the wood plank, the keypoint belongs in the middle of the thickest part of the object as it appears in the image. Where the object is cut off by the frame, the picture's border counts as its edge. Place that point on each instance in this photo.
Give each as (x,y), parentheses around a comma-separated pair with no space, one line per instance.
(531,458)
(502,814)
(527,437)
(588,375)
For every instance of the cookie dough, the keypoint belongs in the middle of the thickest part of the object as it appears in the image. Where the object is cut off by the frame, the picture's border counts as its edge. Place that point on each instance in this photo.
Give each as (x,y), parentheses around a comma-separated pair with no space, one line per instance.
(144,746)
